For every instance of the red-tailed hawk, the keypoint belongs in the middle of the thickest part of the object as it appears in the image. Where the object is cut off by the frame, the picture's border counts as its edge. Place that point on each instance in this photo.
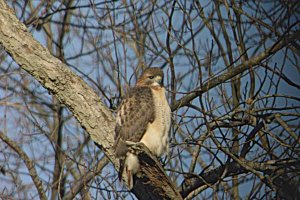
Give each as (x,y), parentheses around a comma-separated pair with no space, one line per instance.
(143,116)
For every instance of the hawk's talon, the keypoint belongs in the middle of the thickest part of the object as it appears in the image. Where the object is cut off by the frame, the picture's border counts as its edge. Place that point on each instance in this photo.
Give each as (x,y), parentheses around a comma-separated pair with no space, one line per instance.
(130,143)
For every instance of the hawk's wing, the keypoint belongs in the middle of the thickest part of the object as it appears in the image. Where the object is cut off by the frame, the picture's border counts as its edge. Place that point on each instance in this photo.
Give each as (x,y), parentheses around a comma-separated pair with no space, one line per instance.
(133,116)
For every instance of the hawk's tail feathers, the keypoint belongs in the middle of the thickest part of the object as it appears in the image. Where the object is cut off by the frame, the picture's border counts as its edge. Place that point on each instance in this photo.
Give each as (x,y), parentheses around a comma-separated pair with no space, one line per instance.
(121,149)
(129,166)
(121,169)
(128,174)
(129,178)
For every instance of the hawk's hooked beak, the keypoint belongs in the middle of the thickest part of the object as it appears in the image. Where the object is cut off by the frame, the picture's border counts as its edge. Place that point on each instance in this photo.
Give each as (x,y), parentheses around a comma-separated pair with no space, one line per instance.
(159,80)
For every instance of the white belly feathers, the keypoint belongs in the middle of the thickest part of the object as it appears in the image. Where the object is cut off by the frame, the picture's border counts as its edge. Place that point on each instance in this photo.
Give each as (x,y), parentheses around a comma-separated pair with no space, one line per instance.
(157,134)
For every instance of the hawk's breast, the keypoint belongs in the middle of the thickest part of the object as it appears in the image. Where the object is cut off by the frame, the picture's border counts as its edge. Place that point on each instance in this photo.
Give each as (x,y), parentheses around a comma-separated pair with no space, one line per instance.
(157,133)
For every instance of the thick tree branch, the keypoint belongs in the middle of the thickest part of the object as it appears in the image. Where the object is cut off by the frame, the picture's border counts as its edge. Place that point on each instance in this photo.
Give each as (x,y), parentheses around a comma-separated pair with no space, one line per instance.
(152,168)
(70,90)
(269,168)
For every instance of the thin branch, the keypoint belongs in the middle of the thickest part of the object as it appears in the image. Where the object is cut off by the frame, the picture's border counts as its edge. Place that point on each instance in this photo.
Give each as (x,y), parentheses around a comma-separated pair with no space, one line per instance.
(29,164)
(237,70)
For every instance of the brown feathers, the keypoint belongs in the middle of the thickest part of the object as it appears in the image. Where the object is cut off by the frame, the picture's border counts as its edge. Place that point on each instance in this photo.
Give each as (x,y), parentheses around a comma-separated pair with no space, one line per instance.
(133,116)
(143,116)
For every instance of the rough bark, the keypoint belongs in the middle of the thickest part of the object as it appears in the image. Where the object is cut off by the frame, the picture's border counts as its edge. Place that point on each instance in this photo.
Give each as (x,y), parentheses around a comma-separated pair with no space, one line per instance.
(286,189)
(96,119)
(73,92)
(152,168)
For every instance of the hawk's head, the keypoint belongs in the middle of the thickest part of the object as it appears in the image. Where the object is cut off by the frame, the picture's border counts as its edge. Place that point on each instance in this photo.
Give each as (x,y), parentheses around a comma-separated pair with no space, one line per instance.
(151,77)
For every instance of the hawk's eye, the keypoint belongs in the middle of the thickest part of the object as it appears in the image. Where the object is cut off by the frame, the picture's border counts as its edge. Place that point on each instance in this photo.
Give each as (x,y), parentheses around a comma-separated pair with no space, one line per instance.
(151,77)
